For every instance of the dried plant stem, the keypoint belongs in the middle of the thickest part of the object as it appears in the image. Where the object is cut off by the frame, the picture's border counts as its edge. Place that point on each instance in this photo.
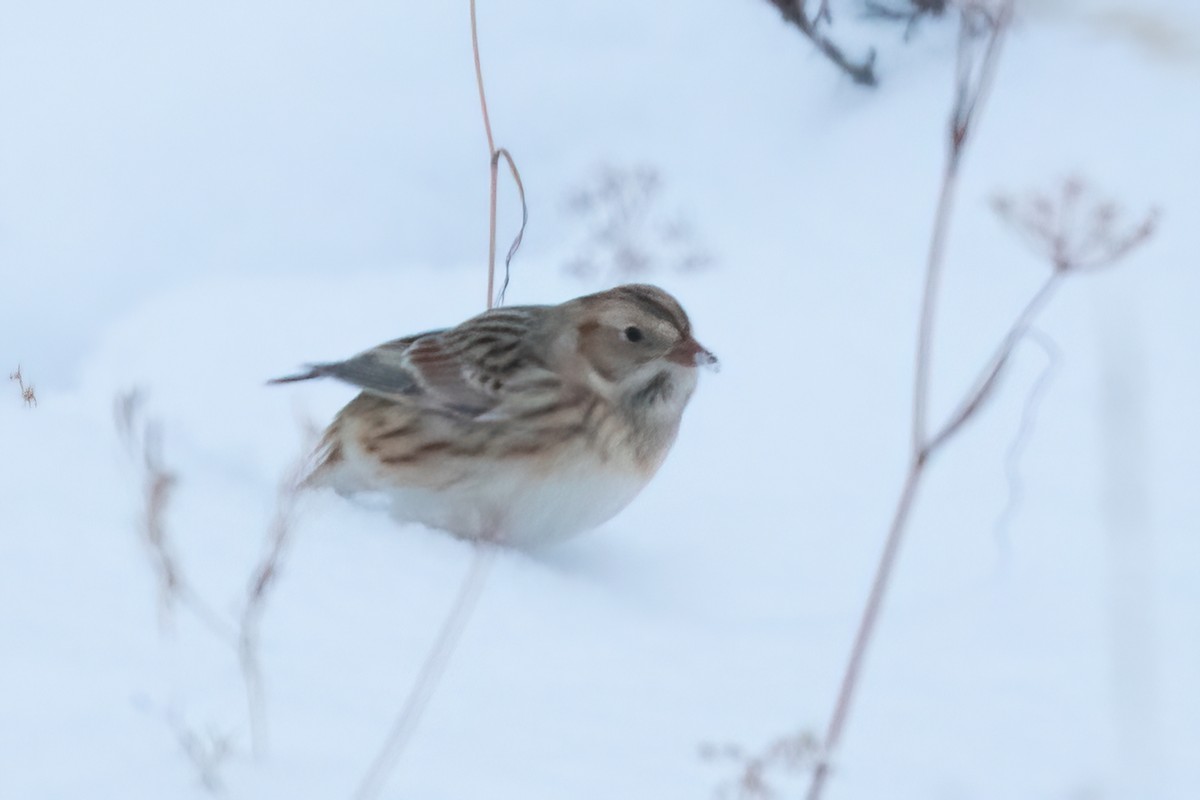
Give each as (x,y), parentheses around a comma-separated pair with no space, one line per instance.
(431,672)
(494,156)
(27,392)
(796,12)
(933,275)
(1016,447)
(866,626)
(484,553)
(266,573)
(972,401)
(492,160)
(216,624)
(970,94)
(983,387)
(143,441)
(516,243)
(487,119)
(973,82)
(1054,233)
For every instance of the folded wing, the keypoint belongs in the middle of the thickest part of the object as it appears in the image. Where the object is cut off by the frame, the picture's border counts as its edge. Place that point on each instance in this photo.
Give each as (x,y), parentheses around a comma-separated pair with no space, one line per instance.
(465,371)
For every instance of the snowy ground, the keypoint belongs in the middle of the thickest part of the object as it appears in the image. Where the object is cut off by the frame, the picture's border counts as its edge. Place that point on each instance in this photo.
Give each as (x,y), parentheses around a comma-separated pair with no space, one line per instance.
(195,199)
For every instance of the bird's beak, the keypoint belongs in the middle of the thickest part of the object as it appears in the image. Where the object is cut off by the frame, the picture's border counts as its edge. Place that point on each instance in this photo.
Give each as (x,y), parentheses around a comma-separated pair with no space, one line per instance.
(690,353)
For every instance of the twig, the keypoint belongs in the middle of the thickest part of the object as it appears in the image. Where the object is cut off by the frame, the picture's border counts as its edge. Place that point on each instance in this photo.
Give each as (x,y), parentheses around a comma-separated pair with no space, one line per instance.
(866,628)
(760,773)
(1016,448)
(1068,253)
(27,392)
(794,11)
(494,156)
(455,622)
(984,386)
(208,753)
(969,92)
(263,579)
(910,16)
(626,235)
(143,441)
(1068,234)
(431,672)
(516,243)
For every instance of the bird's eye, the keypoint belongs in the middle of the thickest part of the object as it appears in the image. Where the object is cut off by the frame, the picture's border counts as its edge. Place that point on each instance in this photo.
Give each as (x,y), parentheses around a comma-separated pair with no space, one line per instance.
(633,333)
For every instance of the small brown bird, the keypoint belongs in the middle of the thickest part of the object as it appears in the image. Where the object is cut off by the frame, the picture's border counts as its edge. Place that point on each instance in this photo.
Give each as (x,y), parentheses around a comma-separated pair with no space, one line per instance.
(521,426)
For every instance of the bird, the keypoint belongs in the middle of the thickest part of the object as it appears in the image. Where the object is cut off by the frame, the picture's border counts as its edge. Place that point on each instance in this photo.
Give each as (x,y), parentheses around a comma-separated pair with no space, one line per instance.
(522,426)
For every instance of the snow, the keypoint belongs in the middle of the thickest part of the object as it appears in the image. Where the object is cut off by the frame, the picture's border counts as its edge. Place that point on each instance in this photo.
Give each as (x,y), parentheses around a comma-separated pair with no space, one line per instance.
(196,199)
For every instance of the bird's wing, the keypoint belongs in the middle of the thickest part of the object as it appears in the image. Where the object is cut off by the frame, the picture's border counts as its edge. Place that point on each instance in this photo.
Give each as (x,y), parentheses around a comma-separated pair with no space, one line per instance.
(480,367)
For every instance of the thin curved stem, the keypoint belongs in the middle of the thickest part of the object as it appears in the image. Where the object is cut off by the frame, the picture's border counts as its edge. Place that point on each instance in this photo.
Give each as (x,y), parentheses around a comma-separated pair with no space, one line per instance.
(933,278)
(471,587)
(866,627)
(494,156)
(492,159)
(431,672)
(516,244)
(974,399)
(971,91)
(487,122)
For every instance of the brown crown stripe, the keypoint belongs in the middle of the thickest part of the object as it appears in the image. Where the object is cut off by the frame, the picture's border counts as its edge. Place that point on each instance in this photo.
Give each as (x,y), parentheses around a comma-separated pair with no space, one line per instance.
(651,303)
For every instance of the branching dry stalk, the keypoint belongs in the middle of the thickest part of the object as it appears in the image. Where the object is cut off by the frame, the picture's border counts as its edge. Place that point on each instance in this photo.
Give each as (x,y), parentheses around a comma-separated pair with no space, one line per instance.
(455,622)
(759,773)
(27,392)
(262,581)
(810,24)
(208,752)
(1055,230)
(1075,230)
(143,442)
(915,11)
(627,236)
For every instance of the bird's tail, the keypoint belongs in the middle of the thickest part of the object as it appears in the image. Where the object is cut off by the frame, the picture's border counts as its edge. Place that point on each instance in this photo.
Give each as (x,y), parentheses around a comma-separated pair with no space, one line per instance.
(314,371)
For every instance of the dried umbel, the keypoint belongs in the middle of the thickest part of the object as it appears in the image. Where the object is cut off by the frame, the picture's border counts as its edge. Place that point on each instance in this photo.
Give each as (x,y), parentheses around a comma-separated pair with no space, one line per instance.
(627,235)
(1075,229)
(27,392)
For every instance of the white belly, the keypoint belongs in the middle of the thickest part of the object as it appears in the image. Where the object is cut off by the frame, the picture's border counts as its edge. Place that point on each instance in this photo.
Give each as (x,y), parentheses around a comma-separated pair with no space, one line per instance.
(519,508)
(520,504)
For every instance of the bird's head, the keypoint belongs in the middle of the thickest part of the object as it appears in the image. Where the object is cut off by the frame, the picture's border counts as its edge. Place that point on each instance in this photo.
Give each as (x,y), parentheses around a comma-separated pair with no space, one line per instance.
(636,341)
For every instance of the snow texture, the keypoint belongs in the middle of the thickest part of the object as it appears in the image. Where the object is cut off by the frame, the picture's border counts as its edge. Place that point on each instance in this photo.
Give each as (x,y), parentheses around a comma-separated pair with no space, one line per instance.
(195,198)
